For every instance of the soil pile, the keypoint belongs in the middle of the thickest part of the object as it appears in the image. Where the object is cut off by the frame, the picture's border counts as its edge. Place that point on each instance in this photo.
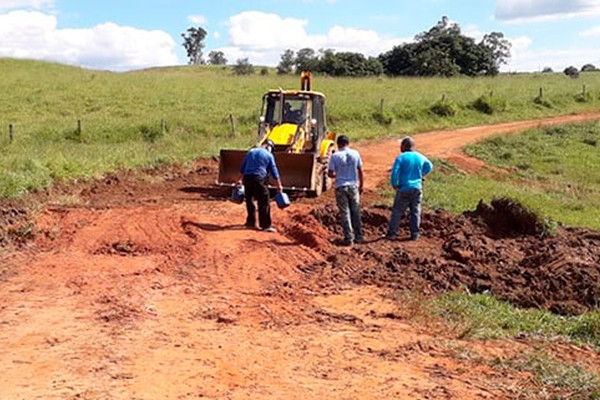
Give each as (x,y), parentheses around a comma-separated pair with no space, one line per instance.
(497,248)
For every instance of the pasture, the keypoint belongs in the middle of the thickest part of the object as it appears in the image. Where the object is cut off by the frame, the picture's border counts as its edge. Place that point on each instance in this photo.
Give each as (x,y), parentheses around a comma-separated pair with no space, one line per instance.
(70,123)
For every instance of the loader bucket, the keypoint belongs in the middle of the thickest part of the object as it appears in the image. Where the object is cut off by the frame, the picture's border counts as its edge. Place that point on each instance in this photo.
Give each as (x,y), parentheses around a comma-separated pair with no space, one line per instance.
(298,171)
(230,162)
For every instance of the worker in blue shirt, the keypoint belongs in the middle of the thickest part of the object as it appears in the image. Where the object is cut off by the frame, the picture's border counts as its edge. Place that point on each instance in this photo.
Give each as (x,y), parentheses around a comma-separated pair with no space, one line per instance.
(258,164)
(345,165)
(407,179)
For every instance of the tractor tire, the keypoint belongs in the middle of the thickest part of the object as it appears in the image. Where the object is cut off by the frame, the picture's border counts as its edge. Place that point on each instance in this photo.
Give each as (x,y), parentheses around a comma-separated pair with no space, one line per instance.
(327,181)
(318,187)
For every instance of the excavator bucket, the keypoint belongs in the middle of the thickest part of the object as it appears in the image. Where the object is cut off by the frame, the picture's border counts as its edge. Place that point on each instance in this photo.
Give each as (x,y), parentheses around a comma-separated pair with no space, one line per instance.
(298,171)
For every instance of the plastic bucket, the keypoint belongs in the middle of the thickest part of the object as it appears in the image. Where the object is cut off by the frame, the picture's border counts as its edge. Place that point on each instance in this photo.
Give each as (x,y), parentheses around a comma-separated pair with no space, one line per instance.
(237,195)
(282,200)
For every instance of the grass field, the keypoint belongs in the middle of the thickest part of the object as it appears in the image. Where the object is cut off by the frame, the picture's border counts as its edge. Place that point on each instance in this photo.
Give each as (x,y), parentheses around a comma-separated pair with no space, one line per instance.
(121,114)
(551,170)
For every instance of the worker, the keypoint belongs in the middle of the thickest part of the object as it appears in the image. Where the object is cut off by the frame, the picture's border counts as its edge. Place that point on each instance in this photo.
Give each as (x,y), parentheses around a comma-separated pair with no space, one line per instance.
(407,179)
(345,166)
(288,114)
(258,164)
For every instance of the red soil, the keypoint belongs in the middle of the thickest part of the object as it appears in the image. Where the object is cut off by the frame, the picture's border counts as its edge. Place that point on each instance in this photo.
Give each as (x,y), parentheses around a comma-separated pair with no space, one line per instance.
(145,286)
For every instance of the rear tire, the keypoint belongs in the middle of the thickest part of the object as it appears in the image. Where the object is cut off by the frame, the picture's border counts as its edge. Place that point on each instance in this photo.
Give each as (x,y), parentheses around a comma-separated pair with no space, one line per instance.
(327,181)
(318,187)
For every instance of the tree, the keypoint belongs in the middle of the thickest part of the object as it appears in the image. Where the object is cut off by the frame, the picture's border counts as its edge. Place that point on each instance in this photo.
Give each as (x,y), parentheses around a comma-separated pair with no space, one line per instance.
(571,72)
(243,67)
(193,41)
(217,58)
(589,68)
(286,64)
(499,50)
(547,70)
(444,51)
(306,60)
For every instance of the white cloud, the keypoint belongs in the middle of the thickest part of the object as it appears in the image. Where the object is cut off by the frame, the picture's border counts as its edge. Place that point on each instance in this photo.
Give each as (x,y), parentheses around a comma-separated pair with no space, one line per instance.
(217,35)
(591,32)
(197,19)
(251,35)
(541,10)
(33,34)
(557,59)
(27,4)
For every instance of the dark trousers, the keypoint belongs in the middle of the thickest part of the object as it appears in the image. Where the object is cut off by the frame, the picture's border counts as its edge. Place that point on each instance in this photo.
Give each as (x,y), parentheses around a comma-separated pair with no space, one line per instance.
(255,188)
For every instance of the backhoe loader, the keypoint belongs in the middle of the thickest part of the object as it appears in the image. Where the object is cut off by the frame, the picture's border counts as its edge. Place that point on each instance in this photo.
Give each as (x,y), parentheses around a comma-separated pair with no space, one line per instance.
(295,121)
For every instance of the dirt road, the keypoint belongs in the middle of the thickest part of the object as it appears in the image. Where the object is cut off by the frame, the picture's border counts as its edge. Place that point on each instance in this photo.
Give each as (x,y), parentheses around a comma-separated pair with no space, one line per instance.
(147,287)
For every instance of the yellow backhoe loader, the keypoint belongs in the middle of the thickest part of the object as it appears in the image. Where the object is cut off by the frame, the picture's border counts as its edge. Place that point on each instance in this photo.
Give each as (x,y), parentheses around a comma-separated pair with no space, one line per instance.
(295,121)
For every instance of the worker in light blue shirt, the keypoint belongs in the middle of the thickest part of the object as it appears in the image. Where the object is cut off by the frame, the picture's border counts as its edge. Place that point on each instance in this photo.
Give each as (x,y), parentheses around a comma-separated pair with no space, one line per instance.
(407,179)
(345,166)
(258,164)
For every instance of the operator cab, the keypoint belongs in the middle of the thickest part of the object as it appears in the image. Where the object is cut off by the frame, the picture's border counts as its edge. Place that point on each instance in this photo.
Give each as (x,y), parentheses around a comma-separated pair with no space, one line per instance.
(295,113)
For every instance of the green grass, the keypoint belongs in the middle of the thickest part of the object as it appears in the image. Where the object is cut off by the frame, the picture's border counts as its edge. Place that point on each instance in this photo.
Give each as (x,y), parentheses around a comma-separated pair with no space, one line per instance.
(550,170)
(554,379)
(484,317)
(121,113)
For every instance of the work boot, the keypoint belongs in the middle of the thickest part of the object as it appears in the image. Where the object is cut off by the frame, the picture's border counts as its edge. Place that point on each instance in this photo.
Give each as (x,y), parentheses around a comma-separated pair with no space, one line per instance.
(346,242)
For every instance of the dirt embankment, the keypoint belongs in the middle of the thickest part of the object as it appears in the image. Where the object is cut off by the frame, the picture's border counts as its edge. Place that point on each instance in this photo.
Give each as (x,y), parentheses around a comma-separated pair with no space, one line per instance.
(486,250)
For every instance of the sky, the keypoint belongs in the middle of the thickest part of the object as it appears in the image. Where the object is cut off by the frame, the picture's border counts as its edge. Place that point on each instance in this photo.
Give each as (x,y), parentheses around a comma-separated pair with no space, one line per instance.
(135,34)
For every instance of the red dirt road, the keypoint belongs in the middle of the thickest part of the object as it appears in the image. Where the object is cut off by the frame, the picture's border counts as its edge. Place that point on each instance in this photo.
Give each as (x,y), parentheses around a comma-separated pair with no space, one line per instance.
(146,287)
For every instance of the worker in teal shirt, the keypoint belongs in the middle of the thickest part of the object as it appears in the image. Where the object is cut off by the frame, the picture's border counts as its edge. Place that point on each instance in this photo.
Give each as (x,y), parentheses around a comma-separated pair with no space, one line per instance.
(407,179)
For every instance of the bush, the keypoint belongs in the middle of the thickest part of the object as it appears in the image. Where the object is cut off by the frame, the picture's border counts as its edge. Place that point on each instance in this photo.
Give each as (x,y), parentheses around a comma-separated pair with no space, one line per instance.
(444,108)
(243,67)
(150,134)
(571,72)
(590,142)
(583,97)
(488,105)
(541,101)
(383,118)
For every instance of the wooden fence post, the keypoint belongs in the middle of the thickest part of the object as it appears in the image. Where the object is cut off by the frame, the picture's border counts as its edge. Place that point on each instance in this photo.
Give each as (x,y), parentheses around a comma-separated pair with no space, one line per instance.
(541,92)
(584,91)
(381,106)
(79,127)
(162,126)
(11,133)
(232,121)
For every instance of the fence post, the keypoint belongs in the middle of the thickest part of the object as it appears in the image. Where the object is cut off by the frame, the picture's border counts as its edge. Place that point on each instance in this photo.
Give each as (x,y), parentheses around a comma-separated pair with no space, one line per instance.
(381,106)
(11,134)
(79,127)
(584,91)
(541,92)
(444,97)
(232,121)
(162,126)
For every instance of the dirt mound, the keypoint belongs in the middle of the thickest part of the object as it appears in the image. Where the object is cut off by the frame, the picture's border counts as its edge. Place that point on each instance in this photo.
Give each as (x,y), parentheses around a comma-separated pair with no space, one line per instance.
(507,217)
(497,248)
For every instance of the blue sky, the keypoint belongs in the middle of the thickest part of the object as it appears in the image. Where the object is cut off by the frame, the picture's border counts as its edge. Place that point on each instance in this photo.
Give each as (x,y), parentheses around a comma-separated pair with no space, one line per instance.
(133,34)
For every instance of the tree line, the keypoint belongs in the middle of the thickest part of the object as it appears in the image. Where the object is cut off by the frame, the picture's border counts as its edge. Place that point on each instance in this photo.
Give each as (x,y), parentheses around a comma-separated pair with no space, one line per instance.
(443,50)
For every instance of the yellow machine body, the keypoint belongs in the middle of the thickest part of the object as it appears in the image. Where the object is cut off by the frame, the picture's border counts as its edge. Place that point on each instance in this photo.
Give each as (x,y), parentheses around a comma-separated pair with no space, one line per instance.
(295,121)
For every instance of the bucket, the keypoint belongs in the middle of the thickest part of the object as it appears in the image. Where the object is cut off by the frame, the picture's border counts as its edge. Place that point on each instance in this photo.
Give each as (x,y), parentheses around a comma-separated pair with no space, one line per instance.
(237,195)
(282,200)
